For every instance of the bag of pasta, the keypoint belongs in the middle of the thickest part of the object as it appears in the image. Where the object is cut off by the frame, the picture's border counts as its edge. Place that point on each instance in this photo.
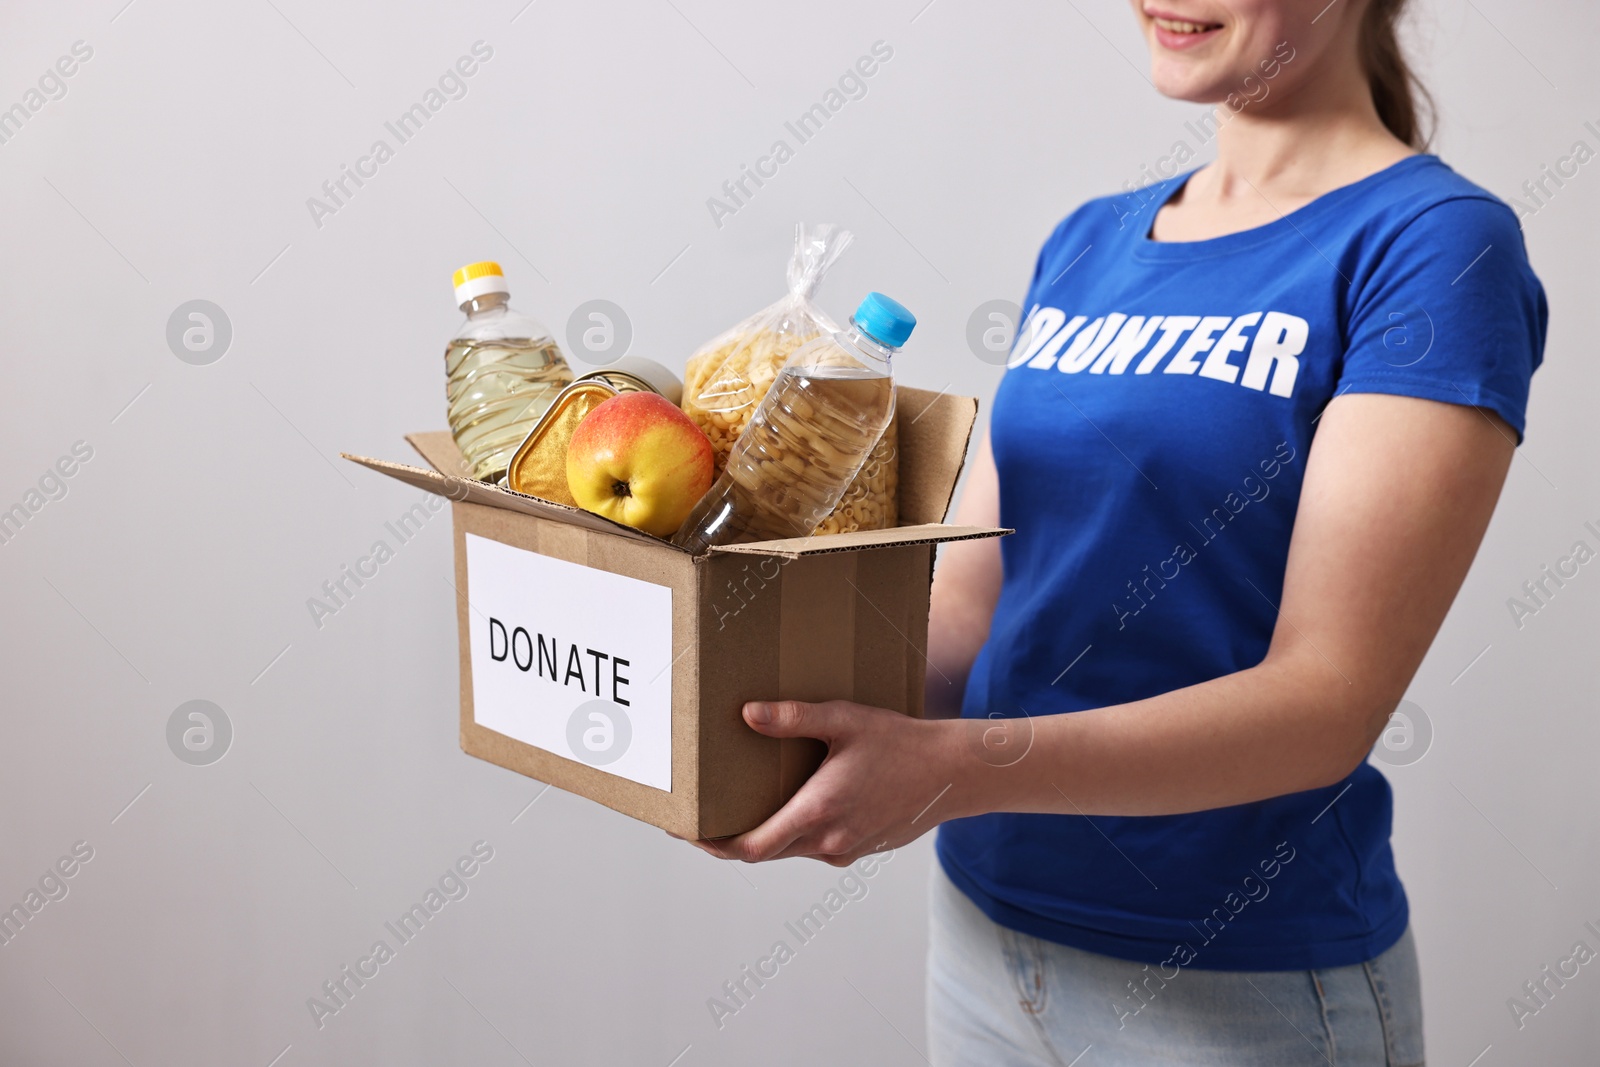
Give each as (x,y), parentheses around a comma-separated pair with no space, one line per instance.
(726,379)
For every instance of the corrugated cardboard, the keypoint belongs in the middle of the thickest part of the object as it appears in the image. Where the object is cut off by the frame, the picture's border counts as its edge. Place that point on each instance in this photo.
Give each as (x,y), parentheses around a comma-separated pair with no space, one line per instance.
(840,616)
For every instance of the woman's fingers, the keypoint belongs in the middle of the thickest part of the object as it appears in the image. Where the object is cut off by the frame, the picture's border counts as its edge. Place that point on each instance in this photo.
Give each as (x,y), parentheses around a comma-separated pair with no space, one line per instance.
(712,848)
(795,718)
(765,841)
(825,819)
(779,835)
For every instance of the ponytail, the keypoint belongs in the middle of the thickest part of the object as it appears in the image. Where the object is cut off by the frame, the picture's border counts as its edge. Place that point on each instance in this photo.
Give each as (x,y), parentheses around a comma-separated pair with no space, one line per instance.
(1403,103)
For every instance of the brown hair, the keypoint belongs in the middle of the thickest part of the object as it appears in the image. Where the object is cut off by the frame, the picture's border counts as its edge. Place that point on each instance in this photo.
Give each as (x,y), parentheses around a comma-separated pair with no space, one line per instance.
(1402,101)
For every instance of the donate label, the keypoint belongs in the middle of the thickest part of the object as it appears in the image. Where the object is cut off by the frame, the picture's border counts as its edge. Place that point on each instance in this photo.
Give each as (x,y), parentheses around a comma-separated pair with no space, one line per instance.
(572,660)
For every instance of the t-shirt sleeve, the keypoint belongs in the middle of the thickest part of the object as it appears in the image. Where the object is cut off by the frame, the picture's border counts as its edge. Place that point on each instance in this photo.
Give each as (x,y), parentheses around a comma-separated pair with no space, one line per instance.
(1451,311)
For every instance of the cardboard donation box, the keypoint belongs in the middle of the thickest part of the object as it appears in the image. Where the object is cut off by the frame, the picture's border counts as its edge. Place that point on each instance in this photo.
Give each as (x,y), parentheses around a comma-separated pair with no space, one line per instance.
(615,665)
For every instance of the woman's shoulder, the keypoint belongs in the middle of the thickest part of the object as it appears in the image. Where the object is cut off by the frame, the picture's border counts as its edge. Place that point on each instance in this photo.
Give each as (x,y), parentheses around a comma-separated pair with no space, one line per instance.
(1420,185)
(1427,211)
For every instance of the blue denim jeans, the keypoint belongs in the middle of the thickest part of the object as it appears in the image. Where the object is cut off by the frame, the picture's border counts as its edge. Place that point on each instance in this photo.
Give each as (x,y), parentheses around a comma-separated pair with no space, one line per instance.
(999,998)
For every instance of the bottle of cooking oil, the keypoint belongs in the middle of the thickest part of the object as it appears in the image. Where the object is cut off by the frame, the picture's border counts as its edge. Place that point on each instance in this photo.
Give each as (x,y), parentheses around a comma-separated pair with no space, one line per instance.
(502,371)
(810,436)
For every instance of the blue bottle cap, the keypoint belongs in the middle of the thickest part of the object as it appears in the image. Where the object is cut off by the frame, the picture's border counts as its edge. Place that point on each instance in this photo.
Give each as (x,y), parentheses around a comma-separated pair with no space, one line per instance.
(884,320)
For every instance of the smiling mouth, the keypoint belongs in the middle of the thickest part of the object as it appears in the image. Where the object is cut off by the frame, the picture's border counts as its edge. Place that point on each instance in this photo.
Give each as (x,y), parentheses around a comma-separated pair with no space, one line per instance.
(1185,27)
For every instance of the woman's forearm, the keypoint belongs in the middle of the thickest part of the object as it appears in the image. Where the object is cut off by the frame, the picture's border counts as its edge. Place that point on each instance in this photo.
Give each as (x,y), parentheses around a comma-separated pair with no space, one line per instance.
(1288,725)
(958,626)
(965,589)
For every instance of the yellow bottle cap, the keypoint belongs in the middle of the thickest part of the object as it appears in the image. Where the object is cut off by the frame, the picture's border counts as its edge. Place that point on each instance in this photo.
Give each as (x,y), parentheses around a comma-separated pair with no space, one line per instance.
(476,279)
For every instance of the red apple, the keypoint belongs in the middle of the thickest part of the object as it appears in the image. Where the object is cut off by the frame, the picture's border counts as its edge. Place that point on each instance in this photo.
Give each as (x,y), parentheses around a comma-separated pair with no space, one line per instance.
(639,460)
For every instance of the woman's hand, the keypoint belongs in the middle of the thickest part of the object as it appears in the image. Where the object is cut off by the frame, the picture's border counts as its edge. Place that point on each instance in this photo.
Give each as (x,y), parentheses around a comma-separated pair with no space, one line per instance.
(888,779)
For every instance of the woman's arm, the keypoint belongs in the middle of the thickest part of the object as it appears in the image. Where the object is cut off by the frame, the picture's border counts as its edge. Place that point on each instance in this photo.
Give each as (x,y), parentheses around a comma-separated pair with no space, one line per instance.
(966,588)
(1397,494)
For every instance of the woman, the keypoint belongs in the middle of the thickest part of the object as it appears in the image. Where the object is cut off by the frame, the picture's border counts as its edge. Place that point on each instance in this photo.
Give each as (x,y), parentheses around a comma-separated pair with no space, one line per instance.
(1249,439)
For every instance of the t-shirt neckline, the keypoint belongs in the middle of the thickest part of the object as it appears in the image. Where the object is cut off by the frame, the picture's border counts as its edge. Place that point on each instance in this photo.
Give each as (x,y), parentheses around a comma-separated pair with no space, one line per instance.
(1146,248)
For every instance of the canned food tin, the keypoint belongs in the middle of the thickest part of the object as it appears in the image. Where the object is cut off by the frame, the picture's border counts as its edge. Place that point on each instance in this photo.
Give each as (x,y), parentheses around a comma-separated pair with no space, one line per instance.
(539,467)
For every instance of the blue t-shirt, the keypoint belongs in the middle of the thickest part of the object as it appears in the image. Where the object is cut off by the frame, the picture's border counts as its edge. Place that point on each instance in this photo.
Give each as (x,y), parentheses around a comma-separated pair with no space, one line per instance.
(1151,436)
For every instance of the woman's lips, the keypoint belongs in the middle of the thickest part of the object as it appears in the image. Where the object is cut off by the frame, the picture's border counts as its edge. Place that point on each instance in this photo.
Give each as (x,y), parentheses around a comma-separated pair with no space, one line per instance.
(1178,34)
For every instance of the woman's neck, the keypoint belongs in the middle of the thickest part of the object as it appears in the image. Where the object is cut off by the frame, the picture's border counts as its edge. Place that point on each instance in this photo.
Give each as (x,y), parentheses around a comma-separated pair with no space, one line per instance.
(1276,156)
(1306,145)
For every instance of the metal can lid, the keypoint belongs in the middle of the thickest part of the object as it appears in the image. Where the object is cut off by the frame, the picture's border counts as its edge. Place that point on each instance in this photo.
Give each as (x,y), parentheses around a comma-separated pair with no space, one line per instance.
(632,374)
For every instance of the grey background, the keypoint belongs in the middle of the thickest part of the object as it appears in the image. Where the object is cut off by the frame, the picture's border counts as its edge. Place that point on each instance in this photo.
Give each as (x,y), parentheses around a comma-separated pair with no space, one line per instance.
(178,565)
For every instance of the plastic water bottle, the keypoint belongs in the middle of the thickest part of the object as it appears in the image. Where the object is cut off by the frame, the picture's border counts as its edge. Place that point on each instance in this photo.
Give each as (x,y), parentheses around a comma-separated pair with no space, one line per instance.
(809,437)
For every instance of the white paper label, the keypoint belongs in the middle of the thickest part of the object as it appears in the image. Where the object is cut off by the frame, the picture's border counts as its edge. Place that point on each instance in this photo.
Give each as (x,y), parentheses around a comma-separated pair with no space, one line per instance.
(572,660)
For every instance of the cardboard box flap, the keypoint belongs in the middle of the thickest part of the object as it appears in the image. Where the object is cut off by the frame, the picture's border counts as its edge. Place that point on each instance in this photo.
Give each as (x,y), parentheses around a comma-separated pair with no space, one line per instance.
(925,533)
(438,447)
(935,429)
(494,496)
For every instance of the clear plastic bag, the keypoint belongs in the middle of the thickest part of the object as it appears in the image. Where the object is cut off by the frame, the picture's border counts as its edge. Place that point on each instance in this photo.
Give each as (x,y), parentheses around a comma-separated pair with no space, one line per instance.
(726,379)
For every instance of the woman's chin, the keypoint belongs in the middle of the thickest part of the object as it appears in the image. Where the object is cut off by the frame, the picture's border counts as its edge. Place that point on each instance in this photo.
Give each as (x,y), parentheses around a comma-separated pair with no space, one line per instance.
(1180,81)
